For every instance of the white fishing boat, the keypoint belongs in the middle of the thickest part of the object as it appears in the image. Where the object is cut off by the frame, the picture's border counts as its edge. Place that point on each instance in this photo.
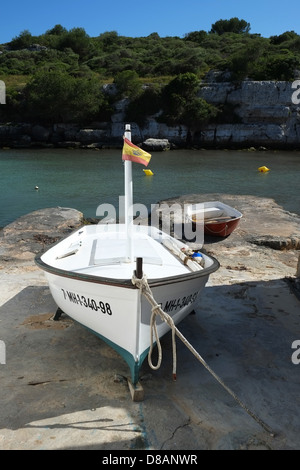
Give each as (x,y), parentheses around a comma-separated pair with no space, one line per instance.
(92,272)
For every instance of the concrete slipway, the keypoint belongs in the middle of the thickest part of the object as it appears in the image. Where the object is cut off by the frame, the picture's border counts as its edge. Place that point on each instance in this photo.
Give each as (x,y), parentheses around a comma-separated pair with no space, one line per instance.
(63,388)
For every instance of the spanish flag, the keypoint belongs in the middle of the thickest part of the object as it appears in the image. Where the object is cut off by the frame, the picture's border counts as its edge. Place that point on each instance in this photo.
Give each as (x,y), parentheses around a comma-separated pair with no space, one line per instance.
(134,154)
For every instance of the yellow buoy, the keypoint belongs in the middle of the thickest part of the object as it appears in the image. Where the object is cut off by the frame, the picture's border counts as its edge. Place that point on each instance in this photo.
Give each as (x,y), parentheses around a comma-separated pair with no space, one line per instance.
(148,172)
(263,169)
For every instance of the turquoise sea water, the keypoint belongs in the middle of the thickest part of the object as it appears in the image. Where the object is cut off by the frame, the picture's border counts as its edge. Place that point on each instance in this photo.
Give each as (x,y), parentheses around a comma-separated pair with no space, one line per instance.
(84,179)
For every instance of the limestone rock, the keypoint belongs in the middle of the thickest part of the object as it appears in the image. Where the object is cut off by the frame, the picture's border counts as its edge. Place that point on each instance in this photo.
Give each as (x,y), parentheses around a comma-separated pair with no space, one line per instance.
(265,109)
(156,145)
(261,113)
(40,133)
(31,233)
(89,136)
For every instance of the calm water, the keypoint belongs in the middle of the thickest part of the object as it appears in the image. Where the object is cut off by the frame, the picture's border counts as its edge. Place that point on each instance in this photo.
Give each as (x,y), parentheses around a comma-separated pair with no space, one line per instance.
(84,179)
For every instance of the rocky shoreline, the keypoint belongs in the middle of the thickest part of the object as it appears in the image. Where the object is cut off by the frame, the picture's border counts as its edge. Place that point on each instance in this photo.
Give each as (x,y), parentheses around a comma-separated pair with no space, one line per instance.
(259,115)
(266,243)
(100,136)
(266,232)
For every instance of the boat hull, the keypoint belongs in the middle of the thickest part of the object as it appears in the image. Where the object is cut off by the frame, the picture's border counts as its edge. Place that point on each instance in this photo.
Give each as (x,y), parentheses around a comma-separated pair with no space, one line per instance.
(218,219)
(221,229)
(123,322)
(114,308)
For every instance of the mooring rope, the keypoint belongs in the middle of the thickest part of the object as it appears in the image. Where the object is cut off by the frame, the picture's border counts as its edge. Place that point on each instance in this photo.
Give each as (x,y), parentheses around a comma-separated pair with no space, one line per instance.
(143,285)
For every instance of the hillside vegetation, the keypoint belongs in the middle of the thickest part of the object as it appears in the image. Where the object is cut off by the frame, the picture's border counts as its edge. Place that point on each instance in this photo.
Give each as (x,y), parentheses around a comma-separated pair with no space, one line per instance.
(68,76)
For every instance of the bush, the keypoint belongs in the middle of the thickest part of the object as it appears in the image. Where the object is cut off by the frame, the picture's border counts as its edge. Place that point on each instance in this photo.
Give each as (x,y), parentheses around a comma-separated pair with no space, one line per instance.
(280,66)
(128,84)
(73,55)
(57,96)
(181,104)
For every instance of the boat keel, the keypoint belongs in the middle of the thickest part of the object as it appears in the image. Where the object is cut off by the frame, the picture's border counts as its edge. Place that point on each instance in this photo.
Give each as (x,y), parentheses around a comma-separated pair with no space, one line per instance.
(58,314)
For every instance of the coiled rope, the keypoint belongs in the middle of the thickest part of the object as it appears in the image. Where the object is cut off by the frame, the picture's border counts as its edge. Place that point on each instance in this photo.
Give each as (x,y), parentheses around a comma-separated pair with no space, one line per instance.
(143,285)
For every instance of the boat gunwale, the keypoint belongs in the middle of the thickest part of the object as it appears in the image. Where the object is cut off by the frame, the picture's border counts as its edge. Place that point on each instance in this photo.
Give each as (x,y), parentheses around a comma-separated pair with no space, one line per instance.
(237,214)
(126,283)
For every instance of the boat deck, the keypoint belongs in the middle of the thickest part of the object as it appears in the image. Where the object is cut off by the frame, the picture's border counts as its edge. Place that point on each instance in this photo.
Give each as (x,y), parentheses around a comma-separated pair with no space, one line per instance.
(102,253)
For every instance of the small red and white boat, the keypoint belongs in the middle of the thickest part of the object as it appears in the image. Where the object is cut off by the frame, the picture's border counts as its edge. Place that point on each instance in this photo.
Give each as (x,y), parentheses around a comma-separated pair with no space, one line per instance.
(219,219)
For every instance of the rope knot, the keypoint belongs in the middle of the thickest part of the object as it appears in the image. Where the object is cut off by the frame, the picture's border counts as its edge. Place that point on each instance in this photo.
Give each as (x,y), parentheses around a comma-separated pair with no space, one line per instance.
(156,310)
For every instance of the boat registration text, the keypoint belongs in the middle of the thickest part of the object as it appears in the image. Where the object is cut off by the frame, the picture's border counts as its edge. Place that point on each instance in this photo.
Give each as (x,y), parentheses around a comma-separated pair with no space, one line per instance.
(87,302)
(174,304)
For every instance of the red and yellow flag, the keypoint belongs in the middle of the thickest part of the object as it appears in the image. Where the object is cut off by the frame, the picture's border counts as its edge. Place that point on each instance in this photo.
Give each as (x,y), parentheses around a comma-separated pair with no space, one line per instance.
(134,154)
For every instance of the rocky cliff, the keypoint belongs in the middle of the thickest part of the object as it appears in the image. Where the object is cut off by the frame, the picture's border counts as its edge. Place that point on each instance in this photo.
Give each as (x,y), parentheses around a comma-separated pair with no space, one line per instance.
(258,114)
(265,112)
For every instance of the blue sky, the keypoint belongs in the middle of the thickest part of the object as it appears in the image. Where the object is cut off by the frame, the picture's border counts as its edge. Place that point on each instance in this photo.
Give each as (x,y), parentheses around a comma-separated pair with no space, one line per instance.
(136,18)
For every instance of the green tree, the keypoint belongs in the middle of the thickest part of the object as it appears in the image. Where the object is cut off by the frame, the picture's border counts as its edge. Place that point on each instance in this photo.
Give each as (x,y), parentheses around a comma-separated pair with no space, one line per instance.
(58,30)
(12,111)
(234,25)
(56,96)
(24,40)
(47,96)
(198,113)
(77,40)
(182,105)
(284,37)
(244,62)
(108,40)
(181,90)
(87,101)
(128,84)
(196,36)
(279,66)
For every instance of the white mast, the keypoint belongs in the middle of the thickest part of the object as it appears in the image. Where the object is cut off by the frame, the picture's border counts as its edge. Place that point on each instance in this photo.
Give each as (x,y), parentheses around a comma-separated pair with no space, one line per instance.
(128,201)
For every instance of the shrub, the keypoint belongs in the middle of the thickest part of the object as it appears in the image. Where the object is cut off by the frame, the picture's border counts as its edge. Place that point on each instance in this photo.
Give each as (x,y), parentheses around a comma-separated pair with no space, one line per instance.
(56,96)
